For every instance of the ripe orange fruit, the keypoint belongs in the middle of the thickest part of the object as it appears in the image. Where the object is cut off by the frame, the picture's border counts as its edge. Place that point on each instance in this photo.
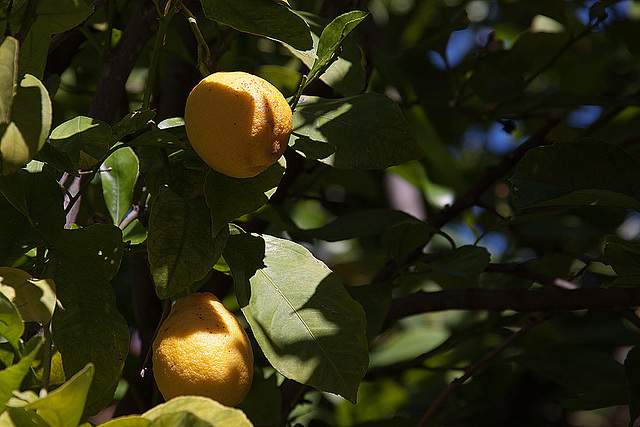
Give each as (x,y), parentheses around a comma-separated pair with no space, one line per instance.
(238,123)
(201,349)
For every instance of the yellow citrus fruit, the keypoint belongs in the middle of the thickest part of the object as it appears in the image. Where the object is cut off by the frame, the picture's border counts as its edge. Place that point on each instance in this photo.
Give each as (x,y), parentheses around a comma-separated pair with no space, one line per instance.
(238,123)
(202,350)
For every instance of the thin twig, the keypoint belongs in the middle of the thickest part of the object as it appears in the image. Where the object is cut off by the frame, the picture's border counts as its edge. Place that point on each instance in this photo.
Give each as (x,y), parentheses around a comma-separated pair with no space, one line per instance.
(205,63)
(472,196)
(436,406)
(170,11)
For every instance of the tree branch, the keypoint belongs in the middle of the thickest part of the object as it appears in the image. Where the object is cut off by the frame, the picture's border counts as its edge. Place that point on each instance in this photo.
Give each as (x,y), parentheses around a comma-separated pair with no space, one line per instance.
(442,398)
(472,196)
(493,174)
(110,90)
(514,299)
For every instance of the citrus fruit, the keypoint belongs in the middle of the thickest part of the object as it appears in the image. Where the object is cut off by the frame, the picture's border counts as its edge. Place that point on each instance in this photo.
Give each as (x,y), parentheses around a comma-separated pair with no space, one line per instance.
(238,123)
(202,350)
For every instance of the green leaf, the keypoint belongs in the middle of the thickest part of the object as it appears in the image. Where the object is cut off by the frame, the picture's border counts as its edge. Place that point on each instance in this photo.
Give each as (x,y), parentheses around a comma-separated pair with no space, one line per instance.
(12,189)
(16,236)
(58,16)
(180,245)
(45,200)
(84,139)
(623,256)
(8,77)
(202,407)
(157,138)
(465,261)
(358,224)
(118,183)
(261,17)
(127,421)
(35,299)
(180,418)
(11,377)
(132,123)
(306,323)
(97,248)
(584,378)
(264,402)
(578,173)
(418,338)
(62,407)
(403,238)
(375,299)
(345,74)
(30,123)
(330,39)
(362,132)
(57,159)
(11,326)
(34,50)
(230,198)
(134,233)
(90,328)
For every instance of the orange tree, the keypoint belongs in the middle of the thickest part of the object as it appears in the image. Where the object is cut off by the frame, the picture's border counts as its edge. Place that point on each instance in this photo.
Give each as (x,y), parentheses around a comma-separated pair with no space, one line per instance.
(451,237)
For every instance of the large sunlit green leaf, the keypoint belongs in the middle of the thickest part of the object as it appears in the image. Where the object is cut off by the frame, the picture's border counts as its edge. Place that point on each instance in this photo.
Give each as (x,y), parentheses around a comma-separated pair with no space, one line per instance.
(62,407)
(585,172)
(261,17)
(306,323)
(119,181)
(35,299)
(180,245)
(90,328)
(83,139)
(362,132)
(202,407)
(230,198)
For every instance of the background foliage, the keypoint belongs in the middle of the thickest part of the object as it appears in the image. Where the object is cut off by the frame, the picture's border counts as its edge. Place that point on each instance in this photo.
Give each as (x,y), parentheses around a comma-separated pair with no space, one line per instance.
(452,237)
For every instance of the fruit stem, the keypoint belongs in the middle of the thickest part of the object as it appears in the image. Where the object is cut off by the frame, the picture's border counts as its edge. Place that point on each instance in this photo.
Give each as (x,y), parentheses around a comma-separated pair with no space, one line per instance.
(169,12)
(205,63)
(294,101)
